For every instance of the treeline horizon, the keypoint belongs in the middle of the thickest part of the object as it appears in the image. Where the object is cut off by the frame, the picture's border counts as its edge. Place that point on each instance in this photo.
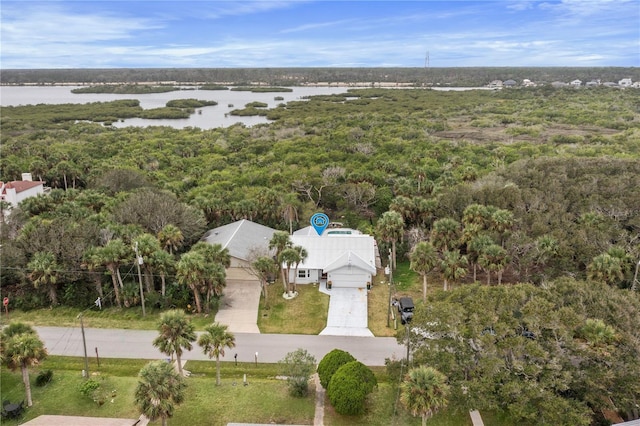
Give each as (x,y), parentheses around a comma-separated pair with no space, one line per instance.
(291,76)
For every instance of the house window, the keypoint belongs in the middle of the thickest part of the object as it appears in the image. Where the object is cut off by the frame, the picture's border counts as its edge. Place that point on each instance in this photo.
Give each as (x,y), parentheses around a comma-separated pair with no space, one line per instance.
(302,273)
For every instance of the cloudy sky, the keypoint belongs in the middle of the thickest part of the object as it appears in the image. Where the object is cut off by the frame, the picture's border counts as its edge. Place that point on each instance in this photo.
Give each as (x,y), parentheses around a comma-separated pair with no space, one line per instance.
(297,33)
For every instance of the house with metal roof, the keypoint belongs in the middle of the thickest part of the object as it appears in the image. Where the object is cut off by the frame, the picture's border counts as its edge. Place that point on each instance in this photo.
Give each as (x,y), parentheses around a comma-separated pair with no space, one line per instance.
(246,241)
(346,260)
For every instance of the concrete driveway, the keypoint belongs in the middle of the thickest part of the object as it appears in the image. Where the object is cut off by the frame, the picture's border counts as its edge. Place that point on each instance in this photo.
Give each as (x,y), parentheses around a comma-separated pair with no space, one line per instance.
(239,306)
(347,313)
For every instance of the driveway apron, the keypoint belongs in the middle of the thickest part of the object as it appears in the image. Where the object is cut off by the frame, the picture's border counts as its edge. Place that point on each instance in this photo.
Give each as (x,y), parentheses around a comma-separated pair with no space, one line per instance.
(347,313)
(239,306)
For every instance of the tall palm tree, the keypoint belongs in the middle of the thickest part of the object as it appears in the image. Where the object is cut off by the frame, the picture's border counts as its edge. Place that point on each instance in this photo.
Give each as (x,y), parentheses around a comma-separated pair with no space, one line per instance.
(170,238)
(112,255)
(280,240)
(424,391)
(453,266)
(92,262)
(493,258)
(289,204)
(264,267)
(302,256)
(147,246)
(289,257)
(475,247)
(424,258)
(389,228)
(213,342)
(21,347)
(216,281)
(176,333)
(445,233)
(159,390)
(476,214)
(501,222)
(44,272)
(191,270)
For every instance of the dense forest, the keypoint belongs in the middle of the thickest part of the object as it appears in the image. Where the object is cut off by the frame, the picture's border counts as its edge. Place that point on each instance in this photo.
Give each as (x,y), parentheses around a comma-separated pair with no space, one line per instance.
(472,76)
(520,190)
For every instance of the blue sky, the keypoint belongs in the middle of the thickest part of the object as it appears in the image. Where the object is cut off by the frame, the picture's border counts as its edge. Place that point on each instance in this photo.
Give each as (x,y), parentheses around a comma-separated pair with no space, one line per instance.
(286,33)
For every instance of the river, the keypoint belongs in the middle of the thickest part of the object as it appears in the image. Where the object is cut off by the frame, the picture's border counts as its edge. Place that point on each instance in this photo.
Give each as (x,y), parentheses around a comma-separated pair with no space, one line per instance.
(205,118)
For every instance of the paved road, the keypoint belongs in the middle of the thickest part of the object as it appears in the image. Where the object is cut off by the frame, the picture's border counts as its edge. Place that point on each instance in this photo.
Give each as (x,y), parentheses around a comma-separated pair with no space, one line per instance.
(112,343)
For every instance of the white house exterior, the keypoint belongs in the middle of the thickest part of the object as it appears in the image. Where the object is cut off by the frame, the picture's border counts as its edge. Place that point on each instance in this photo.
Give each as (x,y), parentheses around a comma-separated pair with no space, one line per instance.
(625,82)
(19,190)
(346,260)
(245,241)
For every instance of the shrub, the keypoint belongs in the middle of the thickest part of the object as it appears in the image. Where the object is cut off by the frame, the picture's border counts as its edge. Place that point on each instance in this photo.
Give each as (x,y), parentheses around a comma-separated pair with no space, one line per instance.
(88,387)
(331,363)
(44,377)
(298,366)
(350,386)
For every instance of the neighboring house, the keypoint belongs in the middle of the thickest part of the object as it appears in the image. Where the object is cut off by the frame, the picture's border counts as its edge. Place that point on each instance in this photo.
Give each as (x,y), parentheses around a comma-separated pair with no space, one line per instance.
(625,82)
(495,84)
(576,83)
(510,83)
(345,259)
(593,83)
(528,83)
(19,190)
(245,241)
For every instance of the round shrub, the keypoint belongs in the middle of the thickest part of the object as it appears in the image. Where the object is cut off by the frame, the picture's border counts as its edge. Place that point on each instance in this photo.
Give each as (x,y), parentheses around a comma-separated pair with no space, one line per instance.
(349,388)
(330,364)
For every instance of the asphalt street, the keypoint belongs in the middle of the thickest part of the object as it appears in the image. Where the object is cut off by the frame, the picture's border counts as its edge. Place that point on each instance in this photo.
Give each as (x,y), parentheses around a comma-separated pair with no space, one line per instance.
(116,343)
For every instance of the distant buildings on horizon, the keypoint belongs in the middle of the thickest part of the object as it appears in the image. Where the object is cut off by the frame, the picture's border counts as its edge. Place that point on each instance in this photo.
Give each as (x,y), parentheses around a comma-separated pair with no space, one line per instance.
(624,83)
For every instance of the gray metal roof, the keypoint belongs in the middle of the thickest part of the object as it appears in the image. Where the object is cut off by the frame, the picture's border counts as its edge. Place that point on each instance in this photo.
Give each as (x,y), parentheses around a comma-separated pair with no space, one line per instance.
(241,238)
(324,251)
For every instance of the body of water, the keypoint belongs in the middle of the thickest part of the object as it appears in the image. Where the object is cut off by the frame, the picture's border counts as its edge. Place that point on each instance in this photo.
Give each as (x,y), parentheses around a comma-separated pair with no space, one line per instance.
(205,118)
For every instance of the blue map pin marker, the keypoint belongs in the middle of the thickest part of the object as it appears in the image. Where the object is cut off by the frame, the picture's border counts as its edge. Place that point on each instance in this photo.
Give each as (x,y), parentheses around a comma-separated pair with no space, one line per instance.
(319,221)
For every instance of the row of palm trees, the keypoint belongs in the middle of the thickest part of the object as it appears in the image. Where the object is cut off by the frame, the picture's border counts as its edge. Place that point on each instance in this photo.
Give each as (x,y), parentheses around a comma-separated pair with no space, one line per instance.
(160,387)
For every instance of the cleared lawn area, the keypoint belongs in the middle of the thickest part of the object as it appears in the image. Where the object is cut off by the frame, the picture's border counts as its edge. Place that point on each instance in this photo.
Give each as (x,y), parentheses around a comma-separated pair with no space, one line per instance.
(263,400)
(306,314)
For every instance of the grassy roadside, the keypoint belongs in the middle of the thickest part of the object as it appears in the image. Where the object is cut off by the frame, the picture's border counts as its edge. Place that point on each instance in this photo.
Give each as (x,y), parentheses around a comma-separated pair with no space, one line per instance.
(306,314)
(263,400)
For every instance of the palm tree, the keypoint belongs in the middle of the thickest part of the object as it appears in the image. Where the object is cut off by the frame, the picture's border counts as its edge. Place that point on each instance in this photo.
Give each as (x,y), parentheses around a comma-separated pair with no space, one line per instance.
(424,391)
(476,214)
(92,262)
(213,253)
(159,389)
(176,333)
(147,245)
(501,222)
(424,259)
(280,240)
(445,233)
(191,271)
(389,228)
(475,247)
(213,342)
(289,204)
(493,258)
(264,267)
(216,281)
(44,272)
(302,256)
(21,348)
(452,266)
(289,256)
(170,238)
(605,268)
(112,255)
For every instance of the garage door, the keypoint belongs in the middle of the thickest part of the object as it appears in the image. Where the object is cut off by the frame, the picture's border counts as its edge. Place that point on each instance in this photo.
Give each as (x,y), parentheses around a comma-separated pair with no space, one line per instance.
(239,274)
(349,280)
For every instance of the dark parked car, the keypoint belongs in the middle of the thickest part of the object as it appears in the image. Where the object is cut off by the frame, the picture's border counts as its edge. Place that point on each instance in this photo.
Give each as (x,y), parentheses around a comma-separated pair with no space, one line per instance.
(405,309)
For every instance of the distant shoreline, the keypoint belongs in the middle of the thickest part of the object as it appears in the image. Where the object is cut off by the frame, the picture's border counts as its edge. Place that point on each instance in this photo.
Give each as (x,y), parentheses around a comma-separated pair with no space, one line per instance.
(230,84)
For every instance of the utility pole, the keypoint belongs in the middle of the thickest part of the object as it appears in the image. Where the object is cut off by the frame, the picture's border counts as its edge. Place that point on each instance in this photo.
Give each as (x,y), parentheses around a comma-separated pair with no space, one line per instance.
(84,344)
(139,262)
(390,285)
